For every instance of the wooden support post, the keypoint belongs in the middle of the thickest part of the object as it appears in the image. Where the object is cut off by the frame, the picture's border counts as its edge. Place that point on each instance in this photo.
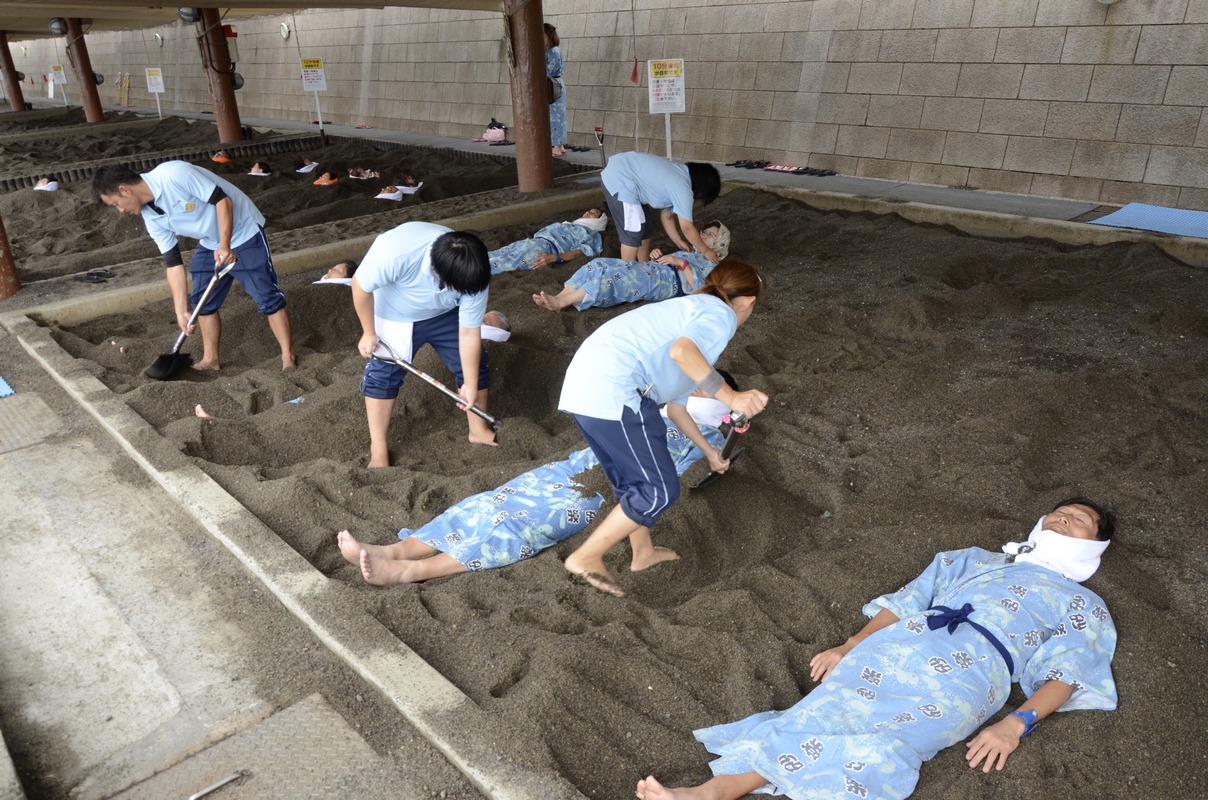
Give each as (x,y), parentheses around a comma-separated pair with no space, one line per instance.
(530,100)
(78,50)
(12,86)
(10,284)
(217,62)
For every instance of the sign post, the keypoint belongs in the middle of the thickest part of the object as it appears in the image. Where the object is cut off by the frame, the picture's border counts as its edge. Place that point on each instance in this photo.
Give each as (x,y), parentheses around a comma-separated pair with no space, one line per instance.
(666,90)
(58,77)
(315,80)
(155,85)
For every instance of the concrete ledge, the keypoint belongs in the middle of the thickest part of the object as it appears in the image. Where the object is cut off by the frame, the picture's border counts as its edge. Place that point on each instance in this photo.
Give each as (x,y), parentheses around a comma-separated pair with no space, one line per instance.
(991,224)
(76,130)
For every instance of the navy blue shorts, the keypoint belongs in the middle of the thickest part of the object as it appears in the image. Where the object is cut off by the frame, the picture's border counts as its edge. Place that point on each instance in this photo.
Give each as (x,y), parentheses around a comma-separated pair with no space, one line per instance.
(254,271)
(633,453)
(382,380)
(616,210)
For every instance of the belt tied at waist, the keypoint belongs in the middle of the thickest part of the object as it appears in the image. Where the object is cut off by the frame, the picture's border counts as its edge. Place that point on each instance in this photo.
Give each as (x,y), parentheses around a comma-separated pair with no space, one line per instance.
(954,617)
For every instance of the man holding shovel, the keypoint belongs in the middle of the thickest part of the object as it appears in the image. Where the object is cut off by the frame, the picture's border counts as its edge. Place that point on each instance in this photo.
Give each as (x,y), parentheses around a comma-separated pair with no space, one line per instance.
(180,199)
(422,283)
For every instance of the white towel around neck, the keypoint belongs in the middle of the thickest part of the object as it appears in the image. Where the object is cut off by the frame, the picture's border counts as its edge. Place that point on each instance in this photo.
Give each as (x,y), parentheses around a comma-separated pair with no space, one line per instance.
(1076,559)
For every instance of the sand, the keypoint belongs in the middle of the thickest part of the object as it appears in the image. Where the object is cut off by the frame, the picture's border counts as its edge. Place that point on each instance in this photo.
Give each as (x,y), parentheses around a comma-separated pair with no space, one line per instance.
(930,391)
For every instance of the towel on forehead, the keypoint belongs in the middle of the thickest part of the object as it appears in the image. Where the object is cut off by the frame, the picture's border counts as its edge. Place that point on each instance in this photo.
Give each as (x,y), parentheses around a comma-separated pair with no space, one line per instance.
(398,192)
(1076,559)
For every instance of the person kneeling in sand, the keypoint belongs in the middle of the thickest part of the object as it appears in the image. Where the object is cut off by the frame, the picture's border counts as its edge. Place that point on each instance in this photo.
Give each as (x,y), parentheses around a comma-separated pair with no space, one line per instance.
(917,679)
(517,520)
(422,283)
(607,282)
(553,244)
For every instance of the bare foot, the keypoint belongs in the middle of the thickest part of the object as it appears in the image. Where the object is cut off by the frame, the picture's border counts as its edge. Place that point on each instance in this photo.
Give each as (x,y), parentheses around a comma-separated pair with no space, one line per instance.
(288,362)
(351,549)
(207,365)
(657,556)
(379,571)
(650,789)
(487,438)
(198,411)
(548,303)
(376,464)
(598,577)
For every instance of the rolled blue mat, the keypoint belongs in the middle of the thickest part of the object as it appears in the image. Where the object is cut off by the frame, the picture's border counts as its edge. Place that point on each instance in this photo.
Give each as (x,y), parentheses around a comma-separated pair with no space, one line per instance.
(5,389)
(1178,221)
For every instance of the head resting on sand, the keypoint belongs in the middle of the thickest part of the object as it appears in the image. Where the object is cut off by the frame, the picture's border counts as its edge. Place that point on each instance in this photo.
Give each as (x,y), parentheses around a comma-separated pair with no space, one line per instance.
(344,269)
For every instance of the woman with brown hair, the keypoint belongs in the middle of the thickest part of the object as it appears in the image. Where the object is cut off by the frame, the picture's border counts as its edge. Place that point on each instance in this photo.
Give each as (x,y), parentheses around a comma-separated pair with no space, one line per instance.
(614,386)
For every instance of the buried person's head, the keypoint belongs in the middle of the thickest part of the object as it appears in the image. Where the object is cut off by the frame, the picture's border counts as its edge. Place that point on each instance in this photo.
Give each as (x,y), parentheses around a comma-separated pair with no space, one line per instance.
(461,262)
(120,187)
(344,269)
(716,236)
(1081,518)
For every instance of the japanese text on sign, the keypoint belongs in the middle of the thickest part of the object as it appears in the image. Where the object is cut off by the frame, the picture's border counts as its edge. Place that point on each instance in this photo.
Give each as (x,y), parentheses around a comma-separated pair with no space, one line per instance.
(313,77)
(57,75)
(666,86)
(155,80)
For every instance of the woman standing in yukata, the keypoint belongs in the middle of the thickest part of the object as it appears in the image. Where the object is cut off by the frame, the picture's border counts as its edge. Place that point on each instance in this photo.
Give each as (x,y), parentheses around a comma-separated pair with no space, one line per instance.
(553,71)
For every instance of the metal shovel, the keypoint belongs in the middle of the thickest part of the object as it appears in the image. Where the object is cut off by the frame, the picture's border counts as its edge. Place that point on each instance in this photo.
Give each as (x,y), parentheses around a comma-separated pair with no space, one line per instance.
(407,365)
(169,364)
(738,425)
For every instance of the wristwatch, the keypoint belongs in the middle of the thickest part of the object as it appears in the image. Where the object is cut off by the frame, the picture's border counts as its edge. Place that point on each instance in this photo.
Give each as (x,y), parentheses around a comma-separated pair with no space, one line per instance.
(1029,720)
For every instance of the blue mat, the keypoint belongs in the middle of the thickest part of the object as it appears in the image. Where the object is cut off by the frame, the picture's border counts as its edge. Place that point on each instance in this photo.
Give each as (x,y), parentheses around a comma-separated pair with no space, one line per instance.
(5,389)
(1178,221)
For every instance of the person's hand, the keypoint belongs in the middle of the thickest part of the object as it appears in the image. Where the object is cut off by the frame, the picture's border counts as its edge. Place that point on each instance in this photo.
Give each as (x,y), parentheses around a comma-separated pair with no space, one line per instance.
(656,254)
(544,260)
(680,244)
(224,256)
(670,261)
(182,322)
(749,403)
(823,663)
(994,743)
(716,462)
(710,254)
(367,344)
(468,395)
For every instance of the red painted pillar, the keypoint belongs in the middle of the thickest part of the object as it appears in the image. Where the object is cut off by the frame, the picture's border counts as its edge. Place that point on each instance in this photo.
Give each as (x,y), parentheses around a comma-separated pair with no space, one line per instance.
(78,52)
(217,62)
(10,284)
(530,99)
(12,86)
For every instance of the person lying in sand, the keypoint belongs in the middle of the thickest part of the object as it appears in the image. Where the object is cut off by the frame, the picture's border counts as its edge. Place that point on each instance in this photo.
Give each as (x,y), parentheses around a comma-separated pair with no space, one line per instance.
(917,679)
(260,168)
(46,185)
(326,179)
(518,519)
(607,282)
(654,354)
(342,270)
(362,174)
(222,157)
(553,244)
(304,165)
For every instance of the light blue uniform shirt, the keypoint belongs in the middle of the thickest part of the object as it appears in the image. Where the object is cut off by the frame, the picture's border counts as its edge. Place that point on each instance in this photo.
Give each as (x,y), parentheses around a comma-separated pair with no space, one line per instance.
(631,354)
(649,180)
(398,271)
(182,191)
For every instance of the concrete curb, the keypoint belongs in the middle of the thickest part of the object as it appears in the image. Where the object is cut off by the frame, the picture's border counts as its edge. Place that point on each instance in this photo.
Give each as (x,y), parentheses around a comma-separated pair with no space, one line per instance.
(992,224)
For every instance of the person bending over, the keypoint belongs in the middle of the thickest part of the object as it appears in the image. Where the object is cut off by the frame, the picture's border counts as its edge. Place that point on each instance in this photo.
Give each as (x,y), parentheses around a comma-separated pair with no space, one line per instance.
(936,660)
(180,199)
(608,282)
(517,520)
(637,184)
(553,244)
(422,283)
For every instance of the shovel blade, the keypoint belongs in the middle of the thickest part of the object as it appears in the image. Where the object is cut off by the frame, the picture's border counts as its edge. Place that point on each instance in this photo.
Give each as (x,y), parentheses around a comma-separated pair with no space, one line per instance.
(712,476)
(168,365)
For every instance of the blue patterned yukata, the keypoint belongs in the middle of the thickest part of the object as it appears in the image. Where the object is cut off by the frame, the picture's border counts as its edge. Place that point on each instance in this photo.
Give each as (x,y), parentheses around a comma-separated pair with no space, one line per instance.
(557,109)
(561,237)
(612,281)
(533,511)
(906,692)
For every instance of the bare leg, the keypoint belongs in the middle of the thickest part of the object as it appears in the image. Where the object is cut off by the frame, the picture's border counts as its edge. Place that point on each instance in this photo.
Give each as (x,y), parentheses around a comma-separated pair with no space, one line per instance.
(645,554)
(410,547)
(211,333)
(378,413)
(588,561)
(564,298)
(722,787)
(480,431)
(388,572)
(278,322)
(640,253)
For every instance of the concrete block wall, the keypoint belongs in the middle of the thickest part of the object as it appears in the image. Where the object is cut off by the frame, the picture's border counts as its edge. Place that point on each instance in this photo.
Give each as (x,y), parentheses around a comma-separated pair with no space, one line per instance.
(1065,98)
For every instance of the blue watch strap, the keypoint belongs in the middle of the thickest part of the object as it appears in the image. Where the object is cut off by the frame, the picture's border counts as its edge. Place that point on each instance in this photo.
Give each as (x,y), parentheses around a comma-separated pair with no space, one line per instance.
(1029,720)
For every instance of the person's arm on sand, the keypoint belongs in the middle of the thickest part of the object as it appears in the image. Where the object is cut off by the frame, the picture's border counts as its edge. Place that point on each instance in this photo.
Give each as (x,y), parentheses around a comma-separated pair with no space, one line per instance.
(226,224)
(698,244)
(362,301)
(689,358)
(997,741)
(545,259)
(469,346)
(178,284)
(822,664)
(683,420)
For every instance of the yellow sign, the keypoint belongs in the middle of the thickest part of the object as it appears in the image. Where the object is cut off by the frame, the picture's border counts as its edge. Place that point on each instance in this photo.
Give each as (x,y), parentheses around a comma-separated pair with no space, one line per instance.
(667,69)
(312,63)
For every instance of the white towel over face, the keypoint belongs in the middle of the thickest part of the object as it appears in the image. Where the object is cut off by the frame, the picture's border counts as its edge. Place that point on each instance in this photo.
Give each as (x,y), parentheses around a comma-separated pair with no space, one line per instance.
(1076,559)
(52,186)
(492,334)
(597,224)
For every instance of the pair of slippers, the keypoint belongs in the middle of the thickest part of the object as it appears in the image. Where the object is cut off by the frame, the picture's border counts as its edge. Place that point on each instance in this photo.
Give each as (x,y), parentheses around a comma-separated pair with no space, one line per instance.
(501,144)
(574,149)
(748,164)
(98,275)
(821,173)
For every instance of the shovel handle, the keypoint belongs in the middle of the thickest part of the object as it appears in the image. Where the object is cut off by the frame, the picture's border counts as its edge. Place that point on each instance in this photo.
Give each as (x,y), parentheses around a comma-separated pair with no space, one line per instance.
(414,370)
(205,296)
(738,425)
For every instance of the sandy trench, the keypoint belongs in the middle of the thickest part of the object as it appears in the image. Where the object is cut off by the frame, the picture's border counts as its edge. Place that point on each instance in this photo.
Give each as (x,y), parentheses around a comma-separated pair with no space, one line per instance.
(930,391)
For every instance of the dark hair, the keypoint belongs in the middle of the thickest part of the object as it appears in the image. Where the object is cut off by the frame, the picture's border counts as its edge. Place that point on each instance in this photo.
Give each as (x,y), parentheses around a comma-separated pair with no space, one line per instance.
(1107,518)
(299,163)
(732,278)
(264,167)
(352,265)
(706,183)
(460,260)
(107,179)
(552,33)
